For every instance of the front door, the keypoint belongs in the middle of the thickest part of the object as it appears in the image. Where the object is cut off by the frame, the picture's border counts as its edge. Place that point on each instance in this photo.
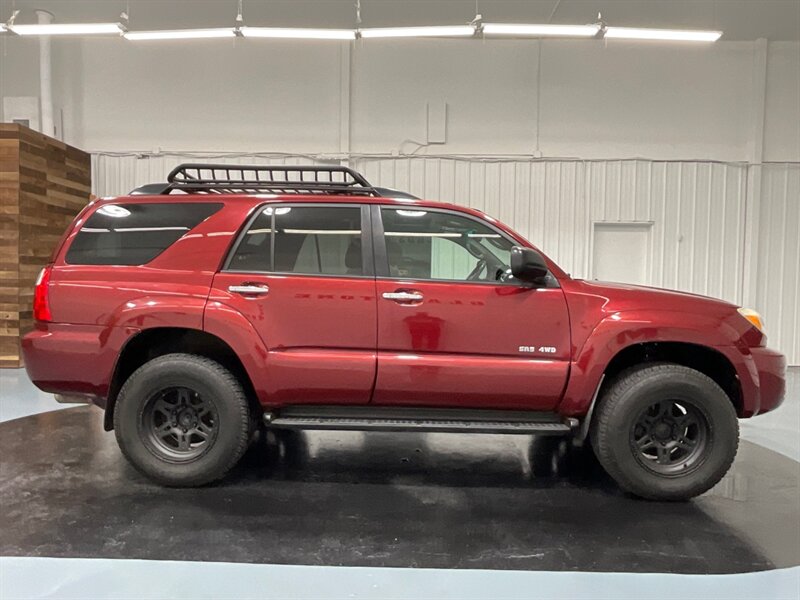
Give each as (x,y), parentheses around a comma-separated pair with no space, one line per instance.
(303,276)
(453,329)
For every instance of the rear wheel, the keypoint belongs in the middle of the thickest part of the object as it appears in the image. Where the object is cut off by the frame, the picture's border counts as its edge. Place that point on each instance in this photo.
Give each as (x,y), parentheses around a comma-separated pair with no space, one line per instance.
(182,420)
(665,432)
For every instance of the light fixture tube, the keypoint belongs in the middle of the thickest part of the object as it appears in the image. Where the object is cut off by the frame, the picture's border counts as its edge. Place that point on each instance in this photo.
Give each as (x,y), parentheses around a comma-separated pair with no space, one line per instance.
(67,29)
(180,34)
(298,33)
(406,32)
(678,35)
(544,30)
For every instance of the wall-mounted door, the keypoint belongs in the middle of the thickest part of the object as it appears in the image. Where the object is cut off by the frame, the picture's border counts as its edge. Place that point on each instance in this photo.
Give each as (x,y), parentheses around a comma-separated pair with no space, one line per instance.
(621,252)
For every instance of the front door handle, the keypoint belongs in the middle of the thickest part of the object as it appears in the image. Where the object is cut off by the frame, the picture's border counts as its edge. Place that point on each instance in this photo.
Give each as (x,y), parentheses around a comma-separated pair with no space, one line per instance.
(403,296)
(249,289)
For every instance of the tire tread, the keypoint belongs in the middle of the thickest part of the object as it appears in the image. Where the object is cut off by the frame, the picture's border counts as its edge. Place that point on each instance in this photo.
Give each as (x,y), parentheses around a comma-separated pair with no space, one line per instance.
(608,414)
(221,468)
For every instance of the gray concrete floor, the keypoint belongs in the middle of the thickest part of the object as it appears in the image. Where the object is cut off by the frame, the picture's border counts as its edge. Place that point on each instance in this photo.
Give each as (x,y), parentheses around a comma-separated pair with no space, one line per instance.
(780,429)
(29,577)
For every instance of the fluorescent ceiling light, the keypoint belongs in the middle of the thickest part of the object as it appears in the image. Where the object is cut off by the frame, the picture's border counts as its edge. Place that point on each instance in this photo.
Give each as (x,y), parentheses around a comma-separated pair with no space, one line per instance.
(67,29)
(298,33)
(680,35)
(398,32)
(521,29)
(180,34)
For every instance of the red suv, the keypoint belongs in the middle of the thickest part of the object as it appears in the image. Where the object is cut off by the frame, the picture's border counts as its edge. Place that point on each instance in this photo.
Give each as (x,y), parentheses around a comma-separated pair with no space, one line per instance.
(235,298)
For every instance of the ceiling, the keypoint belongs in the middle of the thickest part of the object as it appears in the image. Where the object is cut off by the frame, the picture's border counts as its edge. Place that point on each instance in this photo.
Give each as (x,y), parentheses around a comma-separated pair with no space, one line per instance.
(739,19)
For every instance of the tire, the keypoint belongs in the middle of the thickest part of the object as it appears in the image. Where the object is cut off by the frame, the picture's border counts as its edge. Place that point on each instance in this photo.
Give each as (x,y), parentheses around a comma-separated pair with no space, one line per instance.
(665,432)
(182,420)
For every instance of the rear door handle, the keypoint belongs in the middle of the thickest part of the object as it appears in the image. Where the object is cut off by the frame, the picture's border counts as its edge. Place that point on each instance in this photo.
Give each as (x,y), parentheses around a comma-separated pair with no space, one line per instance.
(403,296)
(249,289)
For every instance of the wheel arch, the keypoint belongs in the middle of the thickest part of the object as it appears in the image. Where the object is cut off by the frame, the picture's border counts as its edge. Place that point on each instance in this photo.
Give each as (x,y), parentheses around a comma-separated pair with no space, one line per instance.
(704,359)
(703,342)
(158,341)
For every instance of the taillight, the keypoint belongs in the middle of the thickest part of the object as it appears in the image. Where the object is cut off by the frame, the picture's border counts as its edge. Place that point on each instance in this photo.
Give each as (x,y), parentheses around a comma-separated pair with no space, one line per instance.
(41,296)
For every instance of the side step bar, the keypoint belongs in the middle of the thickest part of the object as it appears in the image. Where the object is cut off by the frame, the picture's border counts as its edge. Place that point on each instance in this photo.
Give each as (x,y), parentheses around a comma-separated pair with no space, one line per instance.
(419,420)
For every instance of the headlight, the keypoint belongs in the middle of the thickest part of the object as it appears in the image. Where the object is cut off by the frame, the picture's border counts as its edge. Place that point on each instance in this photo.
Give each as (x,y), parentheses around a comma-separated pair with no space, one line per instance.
(753,317)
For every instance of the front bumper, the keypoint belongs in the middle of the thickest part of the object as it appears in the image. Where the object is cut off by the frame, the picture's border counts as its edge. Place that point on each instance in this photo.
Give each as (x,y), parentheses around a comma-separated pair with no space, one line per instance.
(770,367)
(762,378)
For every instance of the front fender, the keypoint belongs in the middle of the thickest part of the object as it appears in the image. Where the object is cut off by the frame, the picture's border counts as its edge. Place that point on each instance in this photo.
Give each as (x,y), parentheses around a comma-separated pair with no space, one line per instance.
(623,329)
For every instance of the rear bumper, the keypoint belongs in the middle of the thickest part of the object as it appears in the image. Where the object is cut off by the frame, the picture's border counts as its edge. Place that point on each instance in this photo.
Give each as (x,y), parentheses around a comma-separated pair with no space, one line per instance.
(73,360)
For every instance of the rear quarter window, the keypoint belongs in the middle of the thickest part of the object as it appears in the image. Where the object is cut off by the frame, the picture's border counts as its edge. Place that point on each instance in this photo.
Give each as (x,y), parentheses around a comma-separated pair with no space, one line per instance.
(135,234)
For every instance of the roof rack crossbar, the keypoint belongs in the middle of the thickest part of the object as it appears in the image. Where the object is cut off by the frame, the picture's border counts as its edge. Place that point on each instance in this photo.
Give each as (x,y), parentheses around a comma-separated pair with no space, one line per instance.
(283,179)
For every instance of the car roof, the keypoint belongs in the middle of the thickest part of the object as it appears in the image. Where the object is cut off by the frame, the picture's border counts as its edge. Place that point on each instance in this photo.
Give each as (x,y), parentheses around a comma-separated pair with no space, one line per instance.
(251,200)
(255,199)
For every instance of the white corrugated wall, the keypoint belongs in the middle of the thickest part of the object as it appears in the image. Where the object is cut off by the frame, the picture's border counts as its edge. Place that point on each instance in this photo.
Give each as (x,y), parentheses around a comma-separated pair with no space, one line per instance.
(697,208)
(777,289)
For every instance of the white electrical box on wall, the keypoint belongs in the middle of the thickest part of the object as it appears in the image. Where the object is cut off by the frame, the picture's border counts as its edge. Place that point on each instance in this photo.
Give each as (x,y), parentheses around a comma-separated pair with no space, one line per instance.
(437,122)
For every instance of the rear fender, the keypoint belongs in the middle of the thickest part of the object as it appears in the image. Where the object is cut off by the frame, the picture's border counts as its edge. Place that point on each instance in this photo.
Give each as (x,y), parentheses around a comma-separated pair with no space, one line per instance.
(151,311)
(148,312)
(235,329)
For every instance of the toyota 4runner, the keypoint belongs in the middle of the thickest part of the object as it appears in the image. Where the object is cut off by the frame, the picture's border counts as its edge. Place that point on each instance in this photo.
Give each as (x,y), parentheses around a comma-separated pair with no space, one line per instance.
(234,298)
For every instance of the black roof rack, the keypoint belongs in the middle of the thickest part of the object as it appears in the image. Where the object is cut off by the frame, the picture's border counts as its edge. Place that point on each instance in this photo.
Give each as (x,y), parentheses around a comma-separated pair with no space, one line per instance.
(205,178)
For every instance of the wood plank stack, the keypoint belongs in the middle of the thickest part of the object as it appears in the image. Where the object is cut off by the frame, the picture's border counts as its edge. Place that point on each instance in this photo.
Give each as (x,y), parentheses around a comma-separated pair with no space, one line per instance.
(44,183)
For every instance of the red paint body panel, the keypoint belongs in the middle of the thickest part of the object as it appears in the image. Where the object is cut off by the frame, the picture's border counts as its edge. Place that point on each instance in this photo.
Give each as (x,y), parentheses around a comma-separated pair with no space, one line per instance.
(460,346)
(607,318)
(336,340)
(73,359)
(444,380)
(770,368)
(234,329)
(320,335)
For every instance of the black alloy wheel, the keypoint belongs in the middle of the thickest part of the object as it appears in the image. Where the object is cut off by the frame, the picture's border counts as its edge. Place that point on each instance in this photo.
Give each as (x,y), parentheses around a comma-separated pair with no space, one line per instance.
(665,431)
(183,420)
(179,424)
(670,437)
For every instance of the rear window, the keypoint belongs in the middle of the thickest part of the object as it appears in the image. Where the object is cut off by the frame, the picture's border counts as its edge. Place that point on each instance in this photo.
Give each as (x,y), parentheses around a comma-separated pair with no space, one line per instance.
(134,234)
(301,239)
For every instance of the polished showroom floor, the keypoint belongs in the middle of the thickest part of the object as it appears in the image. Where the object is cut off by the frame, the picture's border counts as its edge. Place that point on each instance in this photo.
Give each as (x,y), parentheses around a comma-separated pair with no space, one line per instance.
(501,506)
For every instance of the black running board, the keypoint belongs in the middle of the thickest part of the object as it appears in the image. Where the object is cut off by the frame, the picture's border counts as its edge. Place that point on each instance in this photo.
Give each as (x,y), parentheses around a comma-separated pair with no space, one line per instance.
(419,420)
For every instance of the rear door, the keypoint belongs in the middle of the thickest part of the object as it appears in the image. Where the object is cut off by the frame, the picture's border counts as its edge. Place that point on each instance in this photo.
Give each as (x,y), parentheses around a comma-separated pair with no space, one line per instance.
(303,275)
(454,331)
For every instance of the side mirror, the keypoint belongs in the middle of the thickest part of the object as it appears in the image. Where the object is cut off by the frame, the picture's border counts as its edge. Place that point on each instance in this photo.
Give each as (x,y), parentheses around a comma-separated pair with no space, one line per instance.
(527,265)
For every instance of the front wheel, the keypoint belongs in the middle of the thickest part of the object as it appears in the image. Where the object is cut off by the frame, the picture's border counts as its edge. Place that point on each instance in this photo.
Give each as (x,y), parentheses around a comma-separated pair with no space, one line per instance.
(182,420)
(665,432)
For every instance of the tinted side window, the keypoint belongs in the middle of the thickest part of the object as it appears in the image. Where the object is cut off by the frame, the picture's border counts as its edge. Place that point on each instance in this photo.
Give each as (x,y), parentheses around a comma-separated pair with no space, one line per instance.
(302,239)
(436,245)
(134,234)
(254,252)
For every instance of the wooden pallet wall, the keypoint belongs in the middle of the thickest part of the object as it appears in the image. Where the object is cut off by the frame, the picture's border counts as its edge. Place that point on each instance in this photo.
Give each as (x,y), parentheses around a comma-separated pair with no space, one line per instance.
(44,183)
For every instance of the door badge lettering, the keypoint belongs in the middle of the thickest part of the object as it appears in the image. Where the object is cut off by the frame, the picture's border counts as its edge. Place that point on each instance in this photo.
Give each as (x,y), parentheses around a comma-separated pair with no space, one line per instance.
(538,349)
